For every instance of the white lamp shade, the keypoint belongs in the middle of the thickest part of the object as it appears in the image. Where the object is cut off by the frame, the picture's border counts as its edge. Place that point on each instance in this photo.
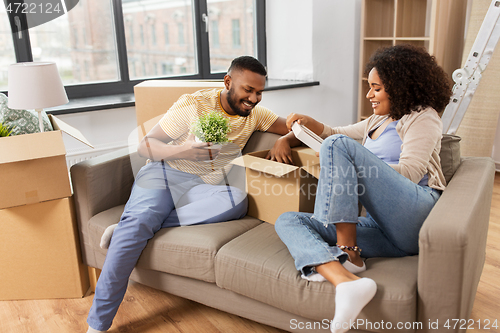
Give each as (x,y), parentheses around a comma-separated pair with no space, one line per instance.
(35,85)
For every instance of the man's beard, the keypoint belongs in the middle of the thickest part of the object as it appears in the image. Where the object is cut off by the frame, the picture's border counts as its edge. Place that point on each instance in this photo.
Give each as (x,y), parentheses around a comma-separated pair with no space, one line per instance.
(231,100)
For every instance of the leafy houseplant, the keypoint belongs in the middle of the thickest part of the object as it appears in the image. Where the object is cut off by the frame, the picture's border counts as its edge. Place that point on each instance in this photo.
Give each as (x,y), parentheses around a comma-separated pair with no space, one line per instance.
(211,127)
(5,130)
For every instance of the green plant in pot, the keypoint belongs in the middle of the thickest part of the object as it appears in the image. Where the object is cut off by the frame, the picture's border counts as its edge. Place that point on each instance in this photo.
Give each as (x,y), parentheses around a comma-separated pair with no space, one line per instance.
(211,127)
(5,130)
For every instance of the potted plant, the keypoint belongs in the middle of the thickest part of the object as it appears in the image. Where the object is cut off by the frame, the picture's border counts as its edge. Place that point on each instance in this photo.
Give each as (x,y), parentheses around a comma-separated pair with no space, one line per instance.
(211,127)
(5,130)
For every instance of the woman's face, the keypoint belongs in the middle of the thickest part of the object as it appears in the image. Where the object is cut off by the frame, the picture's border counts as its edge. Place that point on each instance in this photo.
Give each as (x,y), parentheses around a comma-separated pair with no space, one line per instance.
(377,95)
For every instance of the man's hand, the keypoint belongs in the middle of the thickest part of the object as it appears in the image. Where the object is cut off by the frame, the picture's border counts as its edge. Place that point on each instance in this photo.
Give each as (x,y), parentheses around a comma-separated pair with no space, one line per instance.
(281,151)
(195,151)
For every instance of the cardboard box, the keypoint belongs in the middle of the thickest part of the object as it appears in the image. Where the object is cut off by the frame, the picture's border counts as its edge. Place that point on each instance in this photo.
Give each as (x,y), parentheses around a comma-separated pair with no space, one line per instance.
(153,98)
(33,166)
(40,252)
(275,188)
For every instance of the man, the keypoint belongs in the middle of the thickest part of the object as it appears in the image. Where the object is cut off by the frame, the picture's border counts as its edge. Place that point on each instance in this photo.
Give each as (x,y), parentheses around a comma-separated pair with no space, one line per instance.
(182,183)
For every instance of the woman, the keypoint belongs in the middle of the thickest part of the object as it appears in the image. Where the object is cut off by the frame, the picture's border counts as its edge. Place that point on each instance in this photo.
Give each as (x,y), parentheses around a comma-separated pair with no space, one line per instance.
(395,173)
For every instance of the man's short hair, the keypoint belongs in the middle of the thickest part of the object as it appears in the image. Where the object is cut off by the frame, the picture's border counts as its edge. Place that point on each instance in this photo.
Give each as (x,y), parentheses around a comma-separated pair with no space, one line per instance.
(248,63)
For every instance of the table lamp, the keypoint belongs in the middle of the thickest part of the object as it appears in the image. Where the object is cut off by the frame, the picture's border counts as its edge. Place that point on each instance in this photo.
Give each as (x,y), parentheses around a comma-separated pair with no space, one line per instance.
(35,85)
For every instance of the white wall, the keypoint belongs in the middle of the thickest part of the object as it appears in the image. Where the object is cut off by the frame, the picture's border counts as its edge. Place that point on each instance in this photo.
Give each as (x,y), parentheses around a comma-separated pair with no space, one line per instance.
(306,39)
(289,32)
(333,29)
(107,130)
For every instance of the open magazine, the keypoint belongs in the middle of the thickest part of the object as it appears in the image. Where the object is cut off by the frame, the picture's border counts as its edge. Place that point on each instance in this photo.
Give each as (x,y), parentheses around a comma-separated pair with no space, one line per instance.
(307,136)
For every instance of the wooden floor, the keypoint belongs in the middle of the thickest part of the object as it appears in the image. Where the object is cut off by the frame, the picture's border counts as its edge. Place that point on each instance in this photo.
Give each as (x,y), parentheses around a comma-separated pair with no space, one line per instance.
(487,303)
(147,310)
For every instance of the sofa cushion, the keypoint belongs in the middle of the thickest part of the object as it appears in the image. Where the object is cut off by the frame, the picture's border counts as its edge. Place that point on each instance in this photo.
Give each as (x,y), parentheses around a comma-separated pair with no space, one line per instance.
(186,251)
(258,265)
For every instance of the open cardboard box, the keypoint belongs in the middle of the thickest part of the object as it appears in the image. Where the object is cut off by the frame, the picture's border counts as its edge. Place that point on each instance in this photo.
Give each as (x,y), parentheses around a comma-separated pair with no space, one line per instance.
(33,166)
(275,188)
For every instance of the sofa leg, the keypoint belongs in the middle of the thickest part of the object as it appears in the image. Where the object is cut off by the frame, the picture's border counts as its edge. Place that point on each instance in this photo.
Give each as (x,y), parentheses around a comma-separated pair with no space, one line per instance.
(93,277)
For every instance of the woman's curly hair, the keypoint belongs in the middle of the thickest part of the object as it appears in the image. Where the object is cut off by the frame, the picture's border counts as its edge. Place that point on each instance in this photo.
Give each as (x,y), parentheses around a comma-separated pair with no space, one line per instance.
(412,79)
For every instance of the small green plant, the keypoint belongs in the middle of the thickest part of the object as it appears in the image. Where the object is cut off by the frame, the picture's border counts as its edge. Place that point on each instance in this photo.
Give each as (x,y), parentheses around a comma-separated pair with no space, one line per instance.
(5,130)
(211,127)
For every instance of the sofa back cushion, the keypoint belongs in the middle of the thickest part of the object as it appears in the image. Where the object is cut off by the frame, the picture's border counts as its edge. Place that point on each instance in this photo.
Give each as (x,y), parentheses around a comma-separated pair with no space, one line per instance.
(260,141)
(450,155)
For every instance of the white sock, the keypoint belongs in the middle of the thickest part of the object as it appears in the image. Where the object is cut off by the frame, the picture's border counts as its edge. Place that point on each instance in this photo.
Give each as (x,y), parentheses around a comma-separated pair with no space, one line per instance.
(350,298)
(353,268)
(315,277)
(106,236)
(91,330)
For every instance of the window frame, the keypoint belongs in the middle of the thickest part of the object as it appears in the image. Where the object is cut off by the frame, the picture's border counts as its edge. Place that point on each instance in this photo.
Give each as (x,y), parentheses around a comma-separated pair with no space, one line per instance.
(23,51)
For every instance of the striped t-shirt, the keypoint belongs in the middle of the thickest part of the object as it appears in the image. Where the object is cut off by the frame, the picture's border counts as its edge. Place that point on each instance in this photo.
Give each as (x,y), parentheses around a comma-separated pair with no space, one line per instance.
(177,124)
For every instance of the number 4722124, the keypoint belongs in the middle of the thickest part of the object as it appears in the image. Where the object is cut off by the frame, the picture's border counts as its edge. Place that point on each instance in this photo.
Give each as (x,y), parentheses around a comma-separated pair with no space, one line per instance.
(33,8)
(484,324)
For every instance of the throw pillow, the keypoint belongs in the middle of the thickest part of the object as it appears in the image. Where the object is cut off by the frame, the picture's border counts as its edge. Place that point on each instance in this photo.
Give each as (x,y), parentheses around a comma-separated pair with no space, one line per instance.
(450,155)
(24,121)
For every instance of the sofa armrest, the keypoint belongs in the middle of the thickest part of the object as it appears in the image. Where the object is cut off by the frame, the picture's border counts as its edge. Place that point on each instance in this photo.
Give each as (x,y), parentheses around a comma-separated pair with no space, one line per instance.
(453,243)
(102,183)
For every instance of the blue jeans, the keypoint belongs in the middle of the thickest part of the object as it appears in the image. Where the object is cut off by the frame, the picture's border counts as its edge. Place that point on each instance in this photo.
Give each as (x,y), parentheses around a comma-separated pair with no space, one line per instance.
(161,197)
(396,208)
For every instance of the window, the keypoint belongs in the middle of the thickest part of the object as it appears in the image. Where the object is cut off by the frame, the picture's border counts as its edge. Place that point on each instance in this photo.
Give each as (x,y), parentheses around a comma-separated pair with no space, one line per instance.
(236,33)
(180,31)
(224,31)
(141,33)
(165,33)
(84,34)
(75,37)
(167,69)
(122,49)
(130,40)
(7,55)
(52,41)
(153,35)
(214,33)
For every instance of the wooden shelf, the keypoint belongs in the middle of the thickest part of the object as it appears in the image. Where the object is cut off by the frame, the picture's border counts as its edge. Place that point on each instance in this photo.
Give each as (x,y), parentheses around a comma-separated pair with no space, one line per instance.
(412,18)
(380,21)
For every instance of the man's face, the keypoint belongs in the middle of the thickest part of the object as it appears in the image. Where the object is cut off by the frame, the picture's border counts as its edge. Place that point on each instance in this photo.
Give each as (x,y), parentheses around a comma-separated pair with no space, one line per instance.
(244,91)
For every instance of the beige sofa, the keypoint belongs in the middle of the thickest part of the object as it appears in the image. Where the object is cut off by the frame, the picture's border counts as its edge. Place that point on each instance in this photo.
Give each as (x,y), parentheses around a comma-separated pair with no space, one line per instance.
(242,267)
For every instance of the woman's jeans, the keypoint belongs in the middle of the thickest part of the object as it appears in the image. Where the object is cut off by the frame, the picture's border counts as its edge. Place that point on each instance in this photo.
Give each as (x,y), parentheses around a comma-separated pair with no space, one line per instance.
(396,208)
(161,197)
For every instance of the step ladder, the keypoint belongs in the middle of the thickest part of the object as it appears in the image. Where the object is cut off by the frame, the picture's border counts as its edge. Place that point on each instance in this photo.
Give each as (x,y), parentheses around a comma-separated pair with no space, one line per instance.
(467,78)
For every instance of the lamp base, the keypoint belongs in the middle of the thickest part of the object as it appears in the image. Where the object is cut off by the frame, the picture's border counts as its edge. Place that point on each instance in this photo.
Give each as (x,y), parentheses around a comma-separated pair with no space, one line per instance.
(40,120)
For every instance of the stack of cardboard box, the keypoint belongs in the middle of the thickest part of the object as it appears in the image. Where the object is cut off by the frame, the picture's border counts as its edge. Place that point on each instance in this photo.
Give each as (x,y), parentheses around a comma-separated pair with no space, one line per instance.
(39,247)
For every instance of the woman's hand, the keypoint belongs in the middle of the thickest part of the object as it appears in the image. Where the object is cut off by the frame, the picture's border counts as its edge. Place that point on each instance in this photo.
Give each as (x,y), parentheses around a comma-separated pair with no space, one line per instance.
(304,120)
(296,117)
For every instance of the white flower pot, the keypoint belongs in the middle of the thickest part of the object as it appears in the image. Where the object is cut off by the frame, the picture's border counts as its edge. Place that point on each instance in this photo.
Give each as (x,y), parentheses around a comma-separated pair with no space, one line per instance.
(213,146)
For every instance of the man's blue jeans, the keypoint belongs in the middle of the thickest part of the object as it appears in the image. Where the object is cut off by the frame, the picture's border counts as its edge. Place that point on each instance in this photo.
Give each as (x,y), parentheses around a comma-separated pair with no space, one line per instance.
(161,197)
(396,208)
